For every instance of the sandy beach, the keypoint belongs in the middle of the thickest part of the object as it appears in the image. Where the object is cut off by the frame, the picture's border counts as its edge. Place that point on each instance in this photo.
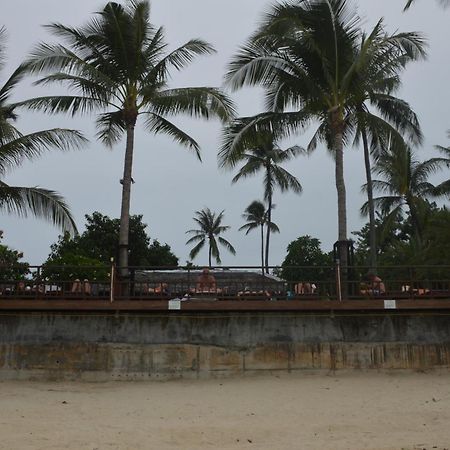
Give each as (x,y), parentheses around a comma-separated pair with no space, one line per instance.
(296,411)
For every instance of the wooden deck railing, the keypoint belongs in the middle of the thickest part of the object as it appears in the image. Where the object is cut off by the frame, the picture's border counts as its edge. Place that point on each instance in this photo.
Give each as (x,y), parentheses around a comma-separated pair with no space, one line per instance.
(244,284)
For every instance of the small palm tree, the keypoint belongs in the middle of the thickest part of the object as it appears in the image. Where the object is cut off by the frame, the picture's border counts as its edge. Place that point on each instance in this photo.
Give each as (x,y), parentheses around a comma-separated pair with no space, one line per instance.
(209,232)
(264,156)
(405,183)
(443,189)
(381,59)
(16,147)
(118,64)
(256,216)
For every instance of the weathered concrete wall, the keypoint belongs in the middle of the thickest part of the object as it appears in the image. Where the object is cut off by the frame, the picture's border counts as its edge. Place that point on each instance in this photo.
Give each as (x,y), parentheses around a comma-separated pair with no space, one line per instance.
(102,347)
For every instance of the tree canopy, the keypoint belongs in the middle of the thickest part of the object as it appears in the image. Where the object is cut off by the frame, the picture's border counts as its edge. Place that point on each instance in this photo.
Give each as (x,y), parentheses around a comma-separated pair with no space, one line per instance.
(11,266)
(305,261)
(99,243)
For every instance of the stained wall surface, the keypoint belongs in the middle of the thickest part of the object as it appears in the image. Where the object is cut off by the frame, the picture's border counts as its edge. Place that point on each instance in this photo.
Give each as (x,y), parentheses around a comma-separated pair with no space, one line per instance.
(168,345)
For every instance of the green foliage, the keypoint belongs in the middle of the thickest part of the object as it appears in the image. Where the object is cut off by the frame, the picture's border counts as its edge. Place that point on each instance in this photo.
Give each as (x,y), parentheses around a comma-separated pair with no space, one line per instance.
(11,269)
(401,255)
(71,266)
(390,232)
(15,148)
(406,184)
(305,261)
(99,243)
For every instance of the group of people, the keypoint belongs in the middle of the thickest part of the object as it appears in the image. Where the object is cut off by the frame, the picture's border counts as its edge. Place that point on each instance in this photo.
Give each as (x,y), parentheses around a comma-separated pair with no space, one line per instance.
(305,288)
(77,287)
(374,286)
(205,284)
(81,287)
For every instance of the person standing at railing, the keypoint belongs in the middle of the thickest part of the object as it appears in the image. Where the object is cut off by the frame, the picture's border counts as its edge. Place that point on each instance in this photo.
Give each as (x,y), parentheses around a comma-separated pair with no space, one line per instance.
(376,285)
(81,287)
(206,282)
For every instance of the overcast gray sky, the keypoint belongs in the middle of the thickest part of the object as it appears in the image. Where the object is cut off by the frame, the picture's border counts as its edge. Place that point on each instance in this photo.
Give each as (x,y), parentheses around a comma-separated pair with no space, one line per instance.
(170,183)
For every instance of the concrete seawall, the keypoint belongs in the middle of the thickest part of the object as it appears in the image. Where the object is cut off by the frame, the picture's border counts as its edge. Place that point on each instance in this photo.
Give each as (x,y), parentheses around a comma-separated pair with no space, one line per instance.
(99,346)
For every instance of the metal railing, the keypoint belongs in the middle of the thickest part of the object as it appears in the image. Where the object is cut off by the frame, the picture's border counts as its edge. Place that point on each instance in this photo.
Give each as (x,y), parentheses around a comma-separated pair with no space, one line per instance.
(233,282)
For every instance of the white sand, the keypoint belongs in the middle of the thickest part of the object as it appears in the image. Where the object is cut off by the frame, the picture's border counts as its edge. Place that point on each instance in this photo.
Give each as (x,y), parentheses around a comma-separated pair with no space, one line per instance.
(298,411)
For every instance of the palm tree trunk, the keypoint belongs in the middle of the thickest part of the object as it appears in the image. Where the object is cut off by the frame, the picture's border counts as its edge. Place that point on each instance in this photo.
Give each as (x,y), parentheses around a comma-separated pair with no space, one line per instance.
(372,231)
(210,255)
(338,130)
(269,221)
(262,248)
(415,221)
(337,127)
(126,195)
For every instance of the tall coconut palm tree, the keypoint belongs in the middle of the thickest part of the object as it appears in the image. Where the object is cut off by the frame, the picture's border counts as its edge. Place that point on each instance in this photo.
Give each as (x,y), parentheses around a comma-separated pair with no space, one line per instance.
(405,183)
(209,231)
(256,216)
(302,54)
(264,156)
(118,64)
(381,59)
(307,55)
(16,147)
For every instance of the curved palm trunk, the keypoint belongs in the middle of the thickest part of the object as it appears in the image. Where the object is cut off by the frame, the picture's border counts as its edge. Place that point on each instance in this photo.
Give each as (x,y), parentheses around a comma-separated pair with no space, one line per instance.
(372,231)
(269,221)
(125,208)
(262,248)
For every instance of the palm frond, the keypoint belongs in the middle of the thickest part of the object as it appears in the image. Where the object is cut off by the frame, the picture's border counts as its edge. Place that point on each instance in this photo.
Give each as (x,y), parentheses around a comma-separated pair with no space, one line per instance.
(286,181)
(32,145)
(273,227)
(41,203)
(196,250)
(197,238)
(384,204)
(63,104)
(241,134)
(111,127)
(250,226)
(203,102)
(157,124)
(11,83)
(227,245)
(178,58)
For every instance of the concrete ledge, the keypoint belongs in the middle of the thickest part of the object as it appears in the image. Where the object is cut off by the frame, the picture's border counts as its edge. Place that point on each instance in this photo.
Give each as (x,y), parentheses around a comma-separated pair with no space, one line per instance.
(56,346)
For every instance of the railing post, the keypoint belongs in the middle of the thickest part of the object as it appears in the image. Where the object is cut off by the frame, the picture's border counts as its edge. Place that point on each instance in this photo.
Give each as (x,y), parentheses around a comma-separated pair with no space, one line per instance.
(38,282)
(411,283)
(338,280)
(264,283)
(189,282)
(113,273)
